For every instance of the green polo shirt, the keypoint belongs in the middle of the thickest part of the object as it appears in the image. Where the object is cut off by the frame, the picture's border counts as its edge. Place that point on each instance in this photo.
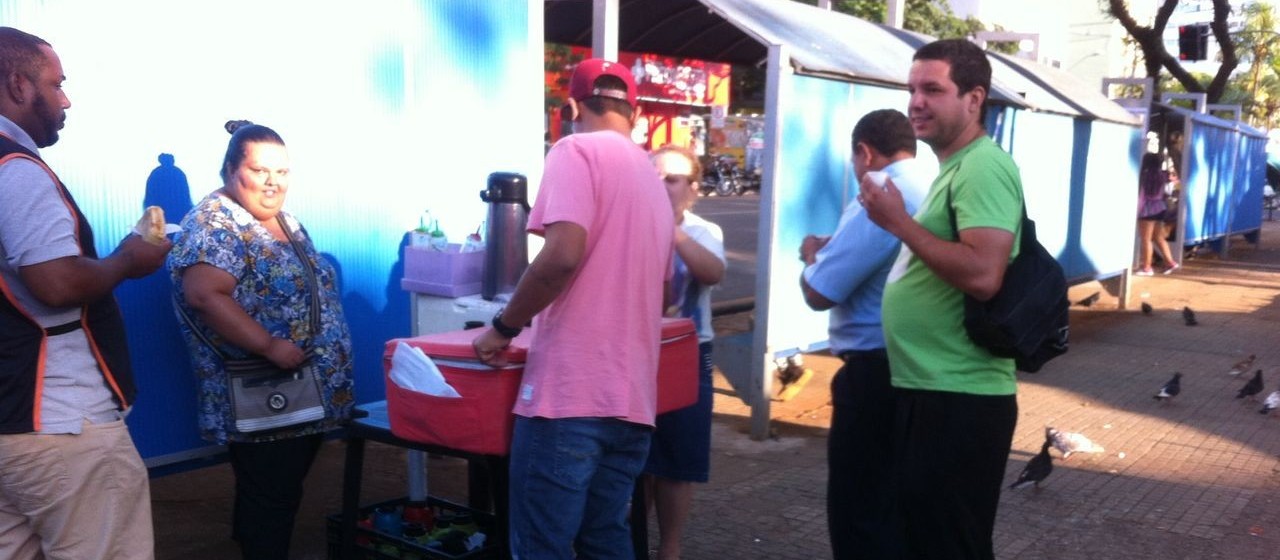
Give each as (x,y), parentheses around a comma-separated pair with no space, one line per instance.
(923,315)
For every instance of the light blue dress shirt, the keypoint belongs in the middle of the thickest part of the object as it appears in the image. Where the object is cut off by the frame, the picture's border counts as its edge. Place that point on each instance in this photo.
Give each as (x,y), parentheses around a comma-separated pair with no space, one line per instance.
(851,269)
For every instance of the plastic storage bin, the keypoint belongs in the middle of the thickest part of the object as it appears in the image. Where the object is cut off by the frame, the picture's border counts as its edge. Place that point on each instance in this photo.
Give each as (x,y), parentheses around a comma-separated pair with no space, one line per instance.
(480,421)
(373,543)
(448,273)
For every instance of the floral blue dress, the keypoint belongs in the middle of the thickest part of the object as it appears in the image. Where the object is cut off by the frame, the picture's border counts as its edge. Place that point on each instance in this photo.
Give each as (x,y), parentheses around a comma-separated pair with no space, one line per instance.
(272,288)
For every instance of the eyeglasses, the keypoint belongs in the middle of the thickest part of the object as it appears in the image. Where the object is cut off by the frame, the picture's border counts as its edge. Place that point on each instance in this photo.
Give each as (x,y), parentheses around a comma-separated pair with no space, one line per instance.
(673,178)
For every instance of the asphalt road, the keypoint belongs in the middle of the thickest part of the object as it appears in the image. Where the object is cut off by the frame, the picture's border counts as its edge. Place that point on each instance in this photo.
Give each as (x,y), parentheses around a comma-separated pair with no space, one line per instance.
(739,217)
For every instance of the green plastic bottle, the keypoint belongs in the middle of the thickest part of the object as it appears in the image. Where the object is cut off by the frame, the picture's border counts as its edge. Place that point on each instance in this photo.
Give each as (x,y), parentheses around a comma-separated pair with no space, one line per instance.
(438,240)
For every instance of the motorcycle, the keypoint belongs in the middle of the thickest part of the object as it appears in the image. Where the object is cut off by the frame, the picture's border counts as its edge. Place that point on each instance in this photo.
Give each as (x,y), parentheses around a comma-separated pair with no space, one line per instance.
(722,176)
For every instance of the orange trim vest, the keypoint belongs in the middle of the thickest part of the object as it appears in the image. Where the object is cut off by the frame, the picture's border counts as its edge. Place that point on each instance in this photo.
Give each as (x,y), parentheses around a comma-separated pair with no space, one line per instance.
(23,342)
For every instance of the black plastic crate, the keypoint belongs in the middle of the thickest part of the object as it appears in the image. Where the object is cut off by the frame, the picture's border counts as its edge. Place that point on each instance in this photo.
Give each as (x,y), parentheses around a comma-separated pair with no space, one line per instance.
(373,544)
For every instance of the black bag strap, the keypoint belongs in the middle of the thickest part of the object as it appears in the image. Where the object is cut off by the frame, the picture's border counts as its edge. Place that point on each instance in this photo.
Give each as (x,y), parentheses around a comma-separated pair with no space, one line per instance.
(313,286)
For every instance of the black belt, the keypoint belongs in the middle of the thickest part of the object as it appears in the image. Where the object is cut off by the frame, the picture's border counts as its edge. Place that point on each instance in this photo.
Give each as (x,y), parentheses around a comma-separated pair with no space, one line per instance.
(851,354)
(63,328)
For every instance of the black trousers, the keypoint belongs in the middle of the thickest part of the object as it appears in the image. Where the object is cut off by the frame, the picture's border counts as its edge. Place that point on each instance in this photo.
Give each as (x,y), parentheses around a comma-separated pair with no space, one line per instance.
(951,450)
(269,479)
(860,460)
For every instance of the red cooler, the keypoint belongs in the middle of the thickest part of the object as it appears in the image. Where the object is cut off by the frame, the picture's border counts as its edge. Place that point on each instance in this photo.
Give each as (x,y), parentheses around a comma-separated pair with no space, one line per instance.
(677,365)
(480,420)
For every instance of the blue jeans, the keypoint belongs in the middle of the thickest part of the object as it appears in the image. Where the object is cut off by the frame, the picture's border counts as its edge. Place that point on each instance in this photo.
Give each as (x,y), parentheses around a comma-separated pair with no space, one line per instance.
(571,481)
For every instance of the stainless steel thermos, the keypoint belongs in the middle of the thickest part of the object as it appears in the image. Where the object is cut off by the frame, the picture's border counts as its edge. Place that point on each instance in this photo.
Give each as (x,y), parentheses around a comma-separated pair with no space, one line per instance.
(505,242)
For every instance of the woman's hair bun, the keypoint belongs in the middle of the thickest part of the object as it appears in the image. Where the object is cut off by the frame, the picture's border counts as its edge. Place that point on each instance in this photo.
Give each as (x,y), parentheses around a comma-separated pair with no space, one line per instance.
(233,126)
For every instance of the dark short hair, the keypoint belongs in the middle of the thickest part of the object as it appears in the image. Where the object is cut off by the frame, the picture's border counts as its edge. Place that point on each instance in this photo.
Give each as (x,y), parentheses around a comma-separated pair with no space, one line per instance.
(600,104)
(969,66)
(20,53)
(887,131)
(243,133)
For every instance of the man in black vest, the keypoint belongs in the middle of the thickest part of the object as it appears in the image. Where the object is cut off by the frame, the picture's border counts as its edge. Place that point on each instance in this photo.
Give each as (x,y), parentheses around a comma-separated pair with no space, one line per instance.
(72,484)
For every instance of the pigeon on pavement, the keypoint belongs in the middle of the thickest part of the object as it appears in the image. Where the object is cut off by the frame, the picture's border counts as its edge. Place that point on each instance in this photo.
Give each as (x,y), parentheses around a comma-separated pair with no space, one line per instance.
(1253,387)
(1037,469)
(1242,365)
(1170,389)
(1189,316)
(1146,308)
(1272,403)
(1070,442)
(1089,301)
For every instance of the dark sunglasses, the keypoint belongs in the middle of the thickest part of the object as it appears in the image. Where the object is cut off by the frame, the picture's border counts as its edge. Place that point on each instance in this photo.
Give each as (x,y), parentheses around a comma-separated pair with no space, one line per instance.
(673,178)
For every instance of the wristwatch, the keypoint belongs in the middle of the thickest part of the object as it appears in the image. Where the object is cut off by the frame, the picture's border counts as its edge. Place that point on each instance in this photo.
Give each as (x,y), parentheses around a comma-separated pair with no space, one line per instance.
(502,328)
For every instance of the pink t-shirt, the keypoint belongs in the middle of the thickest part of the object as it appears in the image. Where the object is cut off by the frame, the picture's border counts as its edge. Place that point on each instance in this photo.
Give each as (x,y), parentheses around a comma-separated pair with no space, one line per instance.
(594,351)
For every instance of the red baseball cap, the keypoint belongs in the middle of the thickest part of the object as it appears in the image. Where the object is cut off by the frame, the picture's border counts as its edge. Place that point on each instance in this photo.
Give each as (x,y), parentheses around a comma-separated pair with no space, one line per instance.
(581,85)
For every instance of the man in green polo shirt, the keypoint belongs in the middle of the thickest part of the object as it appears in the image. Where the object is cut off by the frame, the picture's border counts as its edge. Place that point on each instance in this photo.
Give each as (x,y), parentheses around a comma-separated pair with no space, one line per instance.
(957,407)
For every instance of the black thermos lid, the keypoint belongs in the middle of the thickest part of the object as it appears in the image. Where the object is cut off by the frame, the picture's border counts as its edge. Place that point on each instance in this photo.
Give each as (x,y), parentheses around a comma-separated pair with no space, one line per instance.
(506,187)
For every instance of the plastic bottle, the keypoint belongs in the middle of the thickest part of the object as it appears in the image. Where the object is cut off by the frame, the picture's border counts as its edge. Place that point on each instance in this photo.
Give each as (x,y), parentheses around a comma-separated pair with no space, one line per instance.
(438,240)
(421,235)
(474,241)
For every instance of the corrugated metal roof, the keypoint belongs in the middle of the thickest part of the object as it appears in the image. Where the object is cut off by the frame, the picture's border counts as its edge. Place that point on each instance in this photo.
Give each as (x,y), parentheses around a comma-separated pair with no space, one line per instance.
(1053,90)
(820,42)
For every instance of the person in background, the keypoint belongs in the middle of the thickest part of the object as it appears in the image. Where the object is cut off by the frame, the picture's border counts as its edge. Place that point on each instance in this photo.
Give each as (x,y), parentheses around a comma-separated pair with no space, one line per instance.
(846,273)
(72,484)
(956,402)
(1151,214)
(586,404)
(237,276)
(1169,223)
(680,453)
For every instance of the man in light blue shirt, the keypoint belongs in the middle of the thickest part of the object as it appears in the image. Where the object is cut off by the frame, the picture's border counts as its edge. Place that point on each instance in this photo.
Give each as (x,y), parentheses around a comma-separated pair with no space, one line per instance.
(846,273)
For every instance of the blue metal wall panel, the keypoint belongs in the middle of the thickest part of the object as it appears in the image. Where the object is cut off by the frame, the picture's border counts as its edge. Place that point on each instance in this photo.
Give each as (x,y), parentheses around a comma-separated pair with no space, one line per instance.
(1224,180)
(1042,145)
(1250,180)
(1108,211)
(1079,177)
(1207,188)
(388,108)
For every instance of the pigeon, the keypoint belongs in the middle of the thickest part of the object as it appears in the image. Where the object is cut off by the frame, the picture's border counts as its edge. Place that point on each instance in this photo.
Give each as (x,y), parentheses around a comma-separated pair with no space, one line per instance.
(1272,403)
(1070,442)
(1189,316)
(1089,301)
(1170,389)
(1243,365)
(1146,308)
(1037,469)
(1253,387)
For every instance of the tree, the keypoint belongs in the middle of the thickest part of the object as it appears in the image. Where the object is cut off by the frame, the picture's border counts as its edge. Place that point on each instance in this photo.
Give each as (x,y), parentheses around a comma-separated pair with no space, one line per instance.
(1150,40)
(1258,44)
(930,17)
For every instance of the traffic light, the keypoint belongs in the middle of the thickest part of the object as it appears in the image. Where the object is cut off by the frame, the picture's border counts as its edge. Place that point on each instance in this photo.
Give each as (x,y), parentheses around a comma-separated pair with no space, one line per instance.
(1193,41)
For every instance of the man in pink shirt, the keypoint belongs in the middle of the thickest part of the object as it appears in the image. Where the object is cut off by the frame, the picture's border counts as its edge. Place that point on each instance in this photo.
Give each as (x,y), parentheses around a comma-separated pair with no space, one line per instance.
(587,402)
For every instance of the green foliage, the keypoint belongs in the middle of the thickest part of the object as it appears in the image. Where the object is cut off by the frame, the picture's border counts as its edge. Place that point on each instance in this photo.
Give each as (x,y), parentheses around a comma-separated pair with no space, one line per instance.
(1258,88)
(930,17)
